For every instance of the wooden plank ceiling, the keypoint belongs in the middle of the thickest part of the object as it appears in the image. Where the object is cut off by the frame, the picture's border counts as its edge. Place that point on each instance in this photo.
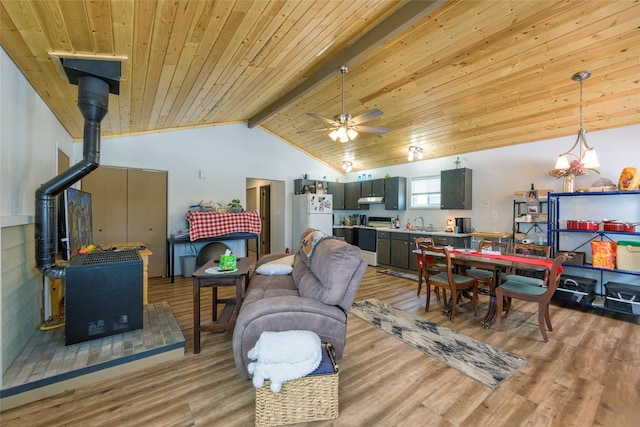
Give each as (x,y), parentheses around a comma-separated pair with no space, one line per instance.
(451,77)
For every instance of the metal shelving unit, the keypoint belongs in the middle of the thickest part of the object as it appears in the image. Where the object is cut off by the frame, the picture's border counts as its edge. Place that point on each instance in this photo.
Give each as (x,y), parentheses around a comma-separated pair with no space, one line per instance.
(557,235)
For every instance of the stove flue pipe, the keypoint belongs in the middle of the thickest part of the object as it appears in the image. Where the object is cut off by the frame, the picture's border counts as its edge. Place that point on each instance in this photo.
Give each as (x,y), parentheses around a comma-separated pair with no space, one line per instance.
(93,100)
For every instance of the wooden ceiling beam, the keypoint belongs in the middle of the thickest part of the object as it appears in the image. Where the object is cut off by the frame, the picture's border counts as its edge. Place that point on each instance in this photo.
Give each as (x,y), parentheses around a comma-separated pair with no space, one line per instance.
(394,24)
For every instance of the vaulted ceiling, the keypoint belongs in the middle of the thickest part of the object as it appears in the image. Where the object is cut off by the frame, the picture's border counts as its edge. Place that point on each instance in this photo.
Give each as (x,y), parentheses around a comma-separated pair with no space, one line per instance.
(451,77)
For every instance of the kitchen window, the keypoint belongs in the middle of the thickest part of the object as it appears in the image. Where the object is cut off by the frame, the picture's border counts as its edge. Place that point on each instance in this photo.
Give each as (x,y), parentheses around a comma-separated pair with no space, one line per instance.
(425,192)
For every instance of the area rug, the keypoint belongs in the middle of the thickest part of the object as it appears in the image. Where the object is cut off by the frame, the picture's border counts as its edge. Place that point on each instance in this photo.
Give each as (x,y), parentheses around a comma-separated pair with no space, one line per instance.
(482,362)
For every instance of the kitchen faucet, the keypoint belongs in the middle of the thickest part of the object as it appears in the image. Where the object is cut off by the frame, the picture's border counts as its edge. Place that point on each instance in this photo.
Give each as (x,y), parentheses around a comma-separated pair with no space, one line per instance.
(422,220)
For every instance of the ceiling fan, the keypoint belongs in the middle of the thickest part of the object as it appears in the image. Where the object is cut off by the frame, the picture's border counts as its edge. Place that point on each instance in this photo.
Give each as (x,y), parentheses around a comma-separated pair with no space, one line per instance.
(343,126)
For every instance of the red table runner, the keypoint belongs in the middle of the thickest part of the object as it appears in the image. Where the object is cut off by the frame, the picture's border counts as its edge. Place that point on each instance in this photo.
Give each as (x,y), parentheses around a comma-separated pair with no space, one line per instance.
(513,258)
(211,224)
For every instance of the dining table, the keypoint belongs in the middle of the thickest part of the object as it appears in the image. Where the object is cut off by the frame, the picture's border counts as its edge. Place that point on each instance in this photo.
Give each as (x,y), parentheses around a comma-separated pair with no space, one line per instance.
(496,262)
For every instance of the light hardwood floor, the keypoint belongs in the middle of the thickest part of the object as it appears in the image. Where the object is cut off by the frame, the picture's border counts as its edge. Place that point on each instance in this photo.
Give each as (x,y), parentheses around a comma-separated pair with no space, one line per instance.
(588,374)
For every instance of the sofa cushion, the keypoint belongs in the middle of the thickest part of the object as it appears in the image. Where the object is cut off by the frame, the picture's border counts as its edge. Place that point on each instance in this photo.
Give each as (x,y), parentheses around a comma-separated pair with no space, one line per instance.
(332,266)
(299,269)
(280,266)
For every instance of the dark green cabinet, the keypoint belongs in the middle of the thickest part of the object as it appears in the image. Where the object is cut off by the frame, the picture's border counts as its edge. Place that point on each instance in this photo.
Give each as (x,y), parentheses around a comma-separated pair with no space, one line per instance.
(455,188)
(301,186)
(395,193)
(384,247)
(351,195)
(400,250)
(345,233)
(337,190)
(372,188)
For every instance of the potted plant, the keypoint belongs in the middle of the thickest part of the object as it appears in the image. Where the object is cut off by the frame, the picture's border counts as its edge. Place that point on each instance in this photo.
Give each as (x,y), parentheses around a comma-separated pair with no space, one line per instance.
(235,206)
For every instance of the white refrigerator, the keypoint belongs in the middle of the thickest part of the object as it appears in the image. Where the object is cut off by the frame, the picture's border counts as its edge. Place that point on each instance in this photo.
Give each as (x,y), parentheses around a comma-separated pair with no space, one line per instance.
(311,211)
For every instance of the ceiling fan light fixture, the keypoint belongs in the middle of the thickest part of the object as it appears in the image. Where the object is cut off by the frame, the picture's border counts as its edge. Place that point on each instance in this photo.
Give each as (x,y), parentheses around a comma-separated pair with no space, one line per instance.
(347,165)
(352,134)
(342,134)
(333,134)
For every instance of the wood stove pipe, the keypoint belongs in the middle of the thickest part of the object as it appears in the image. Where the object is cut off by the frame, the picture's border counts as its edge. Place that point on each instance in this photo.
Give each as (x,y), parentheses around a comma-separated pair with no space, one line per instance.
(93,100)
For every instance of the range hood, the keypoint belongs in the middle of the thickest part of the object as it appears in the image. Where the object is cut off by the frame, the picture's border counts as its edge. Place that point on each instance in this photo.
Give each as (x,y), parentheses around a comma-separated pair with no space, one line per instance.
(370,200)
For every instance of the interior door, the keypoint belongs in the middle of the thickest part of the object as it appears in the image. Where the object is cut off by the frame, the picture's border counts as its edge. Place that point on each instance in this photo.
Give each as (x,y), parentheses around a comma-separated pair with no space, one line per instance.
(147,215)
(108,188)
(265,216)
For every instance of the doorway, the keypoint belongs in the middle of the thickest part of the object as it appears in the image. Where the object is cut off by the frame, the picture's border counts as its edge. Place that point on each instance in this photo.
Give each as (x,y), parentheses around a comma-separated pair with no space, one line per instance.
(265,217)
(268,198)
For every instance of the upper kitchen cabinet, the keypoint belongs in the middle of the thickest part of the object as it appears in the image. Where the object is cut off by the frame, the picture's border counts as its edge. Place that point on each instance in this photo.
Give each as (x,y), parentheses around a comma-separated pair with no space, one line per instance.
(455,189)
(372,188)
(351,196)
(395,193)
(337,190)
(301,186)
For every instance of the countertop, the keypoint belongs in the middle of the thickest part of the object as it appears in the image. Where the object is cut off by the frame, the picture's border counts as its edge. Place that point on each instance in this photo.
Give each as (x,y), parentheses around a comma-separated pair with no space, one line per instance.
(404,230)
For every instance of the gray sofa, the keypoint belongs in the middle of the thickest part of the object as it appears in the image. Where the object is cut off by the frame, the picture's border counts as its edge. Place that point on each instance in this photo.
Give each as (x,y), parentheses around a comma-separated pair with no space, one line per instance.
(315,298)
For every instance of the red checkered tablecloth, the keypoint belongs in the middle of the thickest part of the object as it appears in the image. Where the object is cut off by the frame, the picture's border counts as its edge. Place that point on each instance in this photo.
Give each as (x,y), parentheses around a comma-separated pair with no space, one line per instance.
(211,224)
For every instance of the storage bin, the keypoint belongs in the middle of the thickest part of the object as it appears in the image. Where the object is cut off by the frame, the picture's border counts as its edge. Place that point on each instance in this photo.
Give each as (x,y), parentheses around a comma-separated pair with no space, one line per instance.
(628,255)
(311,398)
(623,297)
(187,265)
(581,290)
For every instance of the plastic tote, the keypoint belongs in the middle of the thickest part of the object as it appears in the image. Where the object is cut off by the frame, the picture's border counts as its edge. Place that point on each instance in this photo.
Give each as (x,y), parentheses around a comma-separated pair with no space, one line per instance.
(187,265)
(628,255)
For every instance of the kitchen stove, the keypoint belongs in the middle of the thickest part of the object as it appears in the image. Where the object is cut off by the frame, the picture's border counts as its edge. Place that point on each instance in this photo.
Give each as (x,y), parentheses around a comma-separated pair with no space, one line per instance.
(366,238)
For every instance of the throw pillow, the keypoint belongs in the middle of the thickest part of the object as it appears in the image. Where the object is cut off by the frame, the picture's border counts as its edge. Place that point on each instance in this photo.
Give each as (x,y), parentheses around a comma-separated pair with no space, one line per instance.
(281,266)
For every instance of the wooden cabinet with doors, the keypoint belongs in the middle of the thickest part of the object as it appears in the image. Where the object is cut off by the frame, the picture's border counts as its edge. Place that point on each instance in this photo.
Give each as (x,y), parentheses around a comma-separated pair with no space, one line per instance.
(337,190)
(351,195)
(395,190)
(130,205)
(455,189)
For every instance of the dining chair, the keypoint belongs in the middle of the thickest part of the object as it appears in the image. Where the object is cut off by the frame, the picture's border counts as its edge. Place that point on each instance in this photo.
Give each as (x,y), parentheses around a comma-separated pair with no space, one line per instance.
(439,259)
(528,292)
(422,272)
(523,276)
(480,274)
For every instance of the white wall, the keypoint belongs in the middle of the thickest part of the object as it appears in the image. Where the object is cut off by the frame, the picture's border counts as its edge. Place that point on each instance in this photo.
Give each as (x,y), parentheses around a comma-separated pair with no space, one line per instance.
(29,137)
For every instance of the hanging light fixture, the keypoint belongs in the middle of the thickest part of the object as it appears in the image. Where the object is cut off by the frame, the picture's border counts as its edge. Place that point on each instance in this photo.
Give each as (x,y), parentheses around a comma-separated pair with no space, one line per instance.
(347,165)
(586,155)
(415,151)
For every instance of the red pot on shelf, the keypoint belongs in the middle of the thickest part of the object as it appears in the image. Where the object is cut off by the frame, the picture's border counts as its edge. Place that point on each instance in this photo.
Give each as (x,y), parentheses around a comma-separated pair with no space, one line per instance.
(588,225)
(619,226)
(573,224)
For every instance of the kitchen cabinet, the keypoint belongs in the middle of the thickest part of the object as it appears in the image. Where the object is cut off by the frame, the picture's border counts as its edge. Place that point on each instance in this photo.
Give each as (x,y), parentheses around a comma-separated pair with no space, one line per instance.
(626,206)
(384,247)
(400,250)
(351,195)
(345,233)
(455,189)
(336,189)
(372,188)
(300,184)
(395,193)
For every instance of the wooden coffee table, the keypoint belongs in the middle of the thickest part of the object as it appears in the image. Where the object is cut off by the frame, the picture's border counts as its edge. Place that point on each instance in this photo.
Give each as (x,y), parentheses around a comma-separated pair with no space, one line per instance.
(202,279)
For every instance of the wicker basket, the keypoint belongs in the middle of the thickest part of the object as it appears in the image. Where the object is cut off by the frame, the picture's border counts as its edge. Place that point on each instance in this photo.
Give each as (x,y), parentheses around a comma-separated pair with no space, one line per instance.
(311,398)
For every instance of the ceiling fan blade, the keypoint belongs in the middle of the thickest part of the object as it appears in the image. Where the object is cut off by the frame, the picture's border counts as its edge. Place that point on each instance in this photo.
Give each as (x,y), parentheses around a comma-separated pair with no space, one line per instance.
(324,119)
(366,116)
(315,130)
(370,129)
